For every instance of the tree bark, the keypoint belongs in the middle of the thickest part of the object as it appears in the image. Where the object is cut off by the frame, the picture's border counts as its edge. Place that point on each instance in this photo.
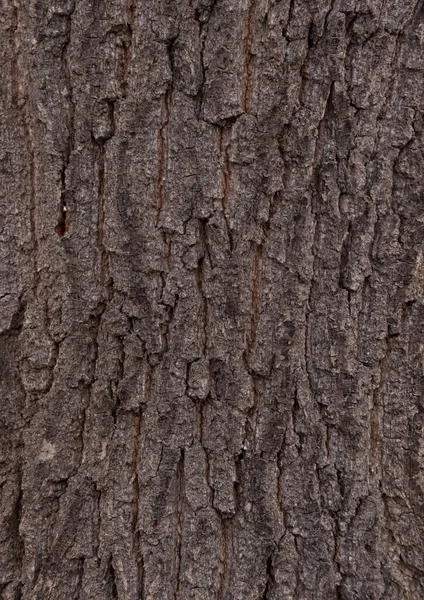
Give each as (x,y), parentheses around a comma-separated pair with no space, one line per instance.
(212,300)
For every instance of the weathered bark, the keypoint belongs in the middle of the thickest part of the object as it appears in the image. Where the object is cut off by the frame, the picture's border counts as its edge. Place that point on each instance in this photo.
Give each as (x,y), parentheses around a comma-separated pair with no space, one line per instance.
(212,300)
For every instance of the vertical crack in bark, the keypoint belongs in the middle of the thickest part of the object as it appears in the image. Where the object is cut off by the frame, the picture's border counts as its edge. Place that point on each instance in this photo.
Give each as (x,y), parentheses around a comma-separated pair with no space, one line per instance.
(248,56)
(319,148)
(97,526)
(199,95)
(14,71)
(169,321)
(280,464)
(114,386)
(200,285)
(162,153)
(270,577)
(223,141)
(255,305)
(238,488)
(289,19)
(179,525)
(18,591)
(250,424)
(131,7)
(224,559)
(334,558)
(138,423)
(124,49)
(112,580)
(204,309)
(104,270)
(205,449)
(101,215)
(226,171)
(19,541)
(255,298)
(376,424)
(63,218)
(80,575)
(55,347)
(23,104)
(297,411)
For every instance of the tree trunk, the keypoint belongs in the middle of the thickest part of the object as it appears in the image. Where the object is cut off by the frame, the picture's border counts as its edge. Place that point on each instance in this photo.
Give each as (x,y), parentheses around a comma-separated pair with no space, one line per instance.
(212,300)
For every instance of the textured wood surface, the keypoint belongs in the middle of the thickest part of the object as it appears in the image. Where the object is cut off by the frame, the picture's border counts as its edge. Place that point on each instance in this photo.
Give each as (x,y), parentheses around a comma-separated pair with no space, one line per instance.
(211,300)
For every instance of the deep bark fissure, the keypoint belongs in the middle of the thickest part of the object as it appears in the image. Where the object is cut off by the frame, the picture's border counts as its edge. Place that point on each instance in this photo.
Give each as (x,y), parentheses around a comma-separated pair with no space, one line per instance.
(62,224)
(162,154)
(200,277)
(224,559)
(179,506)
(223,142)
(112,580)
(138,425)
(269,578)
(248,56)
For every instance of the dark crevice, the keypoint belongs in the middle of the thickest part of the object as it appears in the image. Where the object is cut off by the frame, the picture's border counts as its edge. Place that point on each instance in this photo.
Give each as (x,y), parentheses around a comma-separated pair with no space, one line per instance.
(200,278)
(62,221)
(105,278)
(179,525)
(118,398)
(14,47)
(344,260)
(136,503)
(289,20)
(200,91)
(224,135)
(224,559)
(239,479)
(79,587)
(18,317)
(163,153)
(270,578)
(124,33)
(18,592)
(296,421)
(204,303)
(248,57)
(62,224)
(204,447)
(112,580)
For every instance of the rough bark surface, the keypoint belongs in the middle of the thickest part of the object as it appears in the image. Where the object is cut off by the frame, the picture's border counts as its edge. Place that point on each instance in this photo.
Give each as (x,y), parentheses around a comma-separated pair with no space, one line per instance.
(212,300)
